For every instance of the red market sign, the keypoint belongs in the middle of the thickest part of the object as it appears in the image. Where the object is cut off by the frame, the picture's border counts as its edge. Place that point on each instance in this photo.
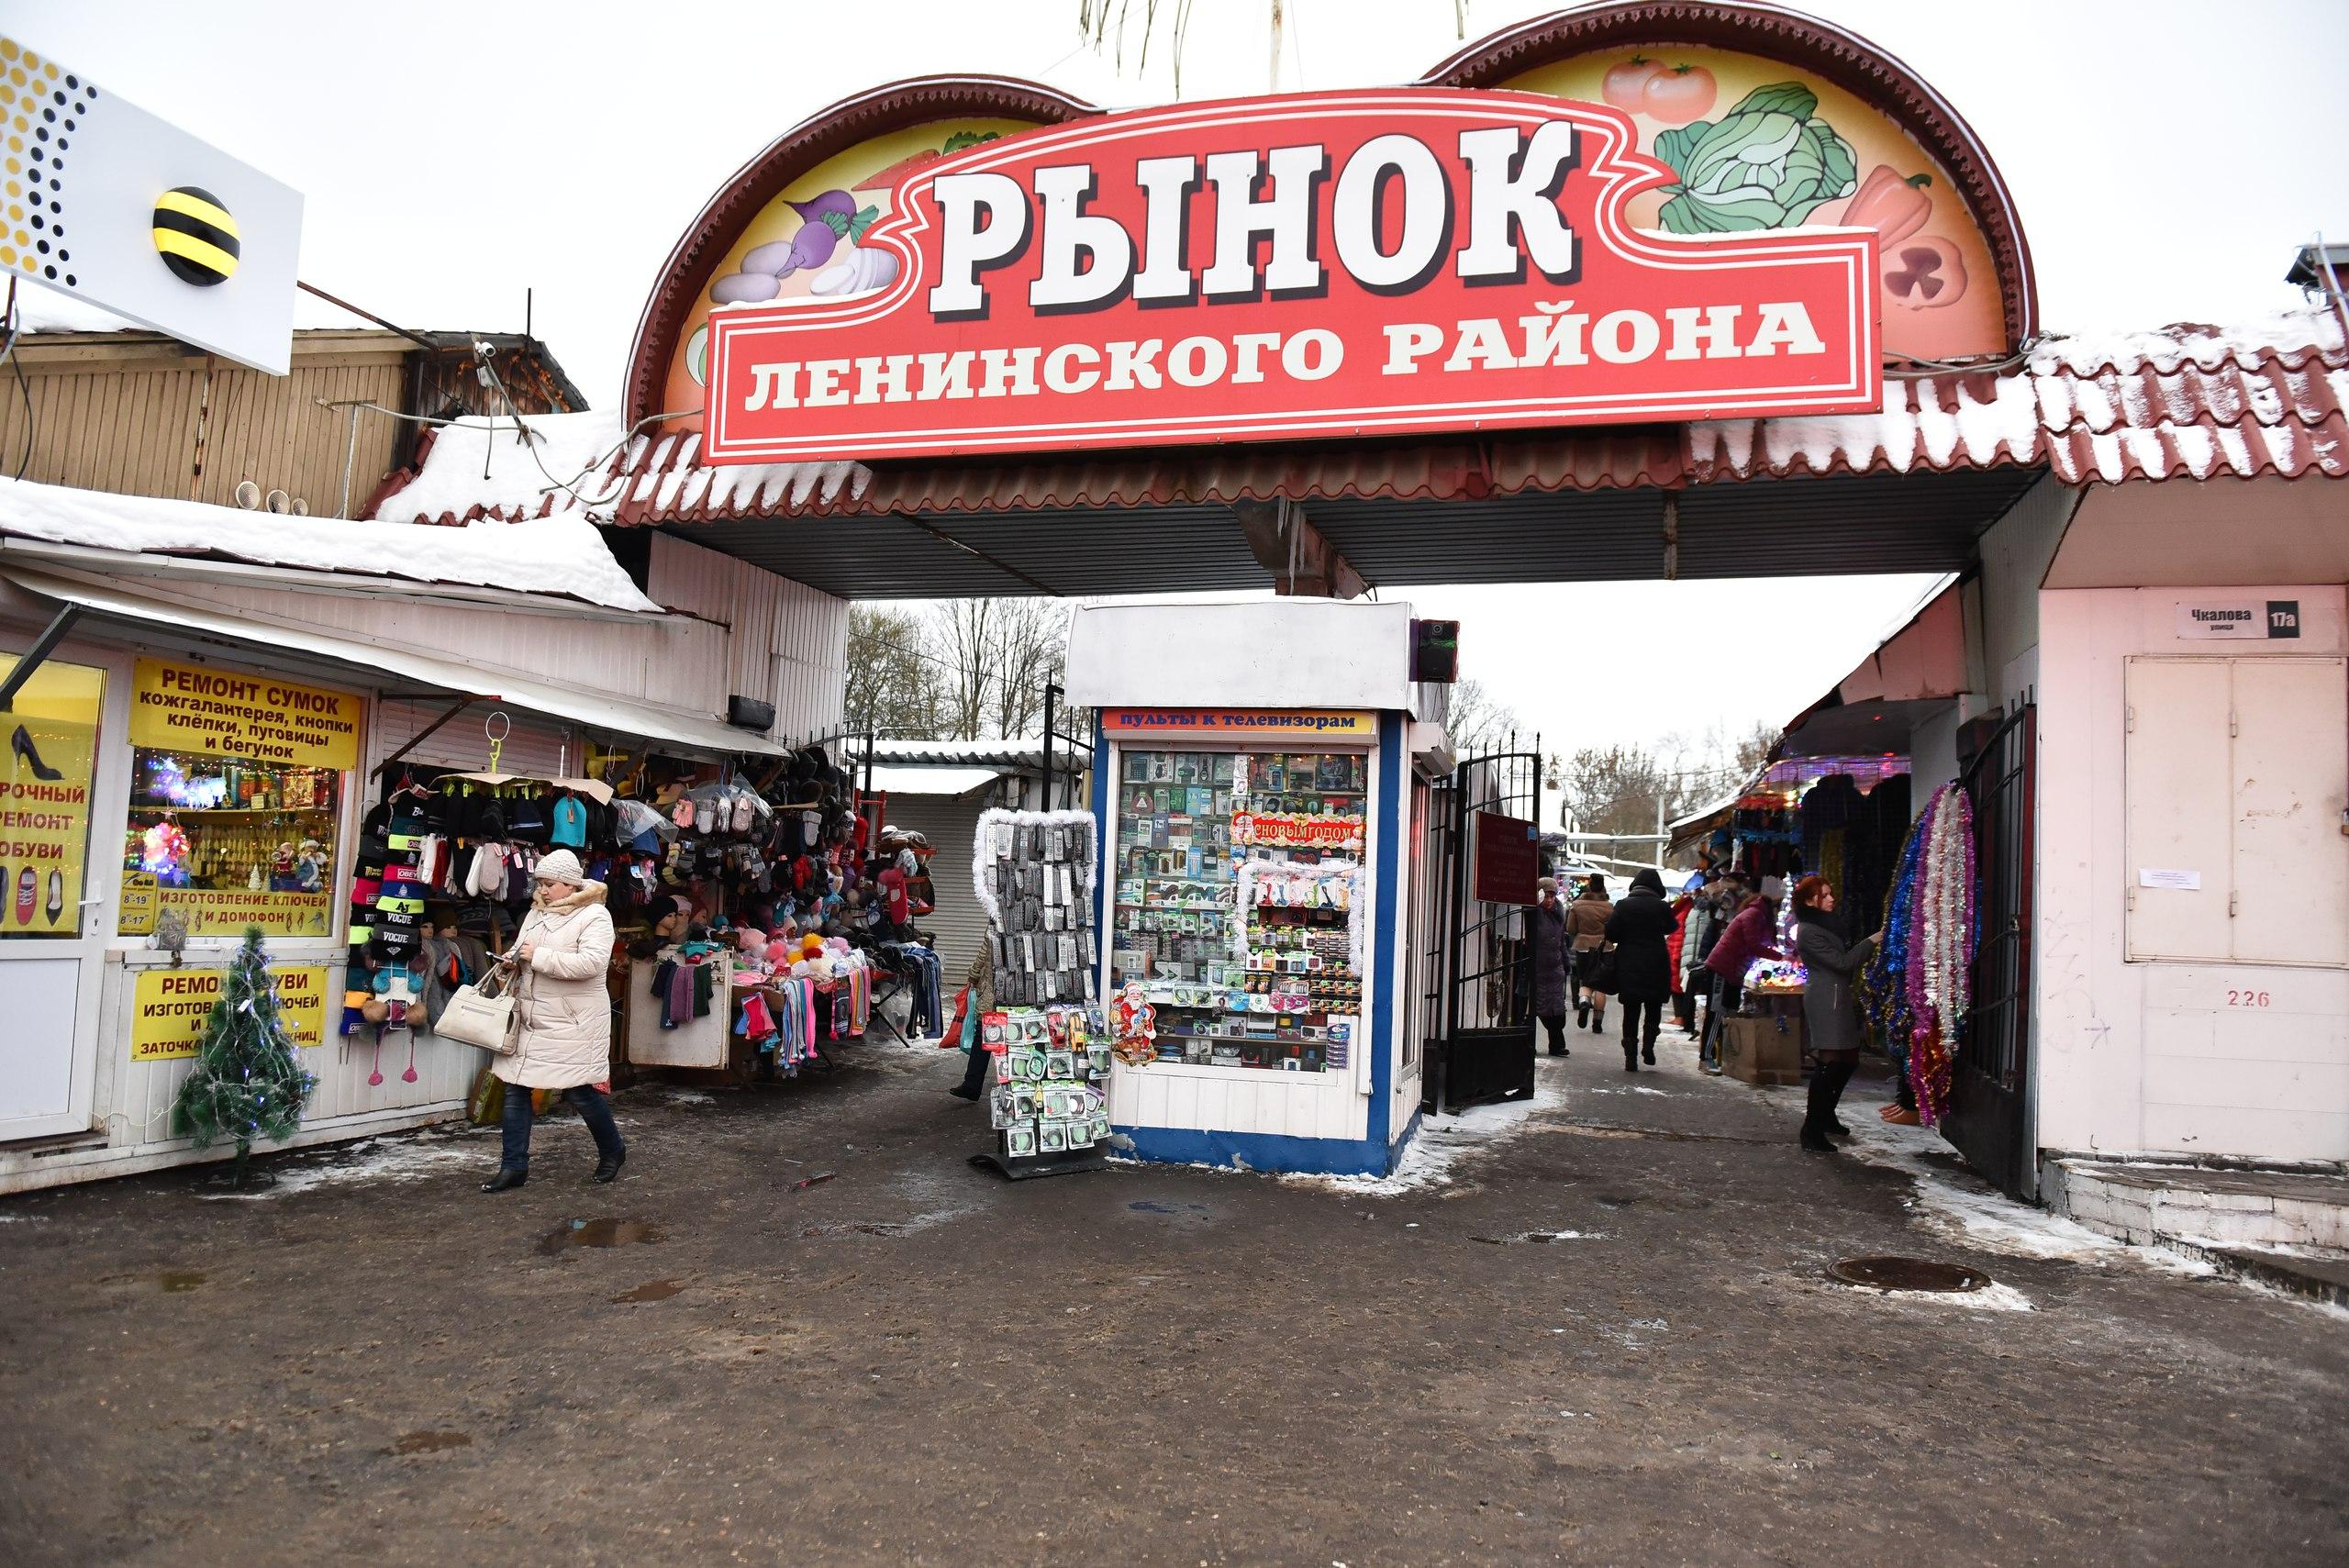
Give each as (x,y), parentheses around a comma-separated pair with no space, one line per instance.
(1321,264)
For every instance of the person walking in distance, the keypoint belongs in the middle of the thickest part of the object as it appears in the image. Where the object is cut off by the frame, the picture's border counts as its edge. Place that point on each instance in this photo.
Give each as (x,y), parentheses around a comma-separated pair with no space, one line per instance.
(1743,940)
(1640,929)
(1684,1006)
(1830,1006)
(1696,929)
(1547,929)
(565,949)
(1587,925)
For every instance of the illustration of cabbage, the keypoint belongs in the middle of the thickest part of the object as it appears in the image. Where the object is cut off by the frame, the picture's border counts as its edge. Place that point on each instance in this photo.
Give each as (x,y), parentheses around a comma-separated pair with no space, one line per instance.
(1765,165)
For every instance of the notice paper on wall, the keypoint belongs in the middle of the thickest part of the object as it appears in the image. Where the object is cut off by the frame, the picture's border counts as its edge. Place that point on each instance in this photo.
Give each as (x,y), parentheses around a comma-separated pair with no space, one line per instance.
(2181,881)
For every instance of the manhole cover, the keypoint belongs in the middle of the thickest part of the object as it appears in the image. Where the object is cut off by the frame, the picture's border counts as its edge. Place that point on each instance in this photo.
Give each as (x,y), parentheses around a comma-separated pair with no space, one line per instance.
(1908,1274)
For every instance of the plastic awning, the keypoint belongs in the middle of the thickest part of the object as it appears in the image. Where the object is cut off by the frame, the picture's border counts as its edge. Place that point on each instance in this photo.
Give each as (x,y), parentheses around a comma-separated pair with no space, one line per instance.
(198,628)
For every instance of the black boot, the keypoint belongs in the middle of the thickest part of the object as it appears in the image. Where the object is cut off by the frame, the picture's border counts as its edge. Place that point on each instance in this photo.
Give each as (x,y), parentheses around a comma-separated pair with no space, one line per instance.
(1816,1140)
(608,1169)
(1839,1129)
(505,1181)
(1630,1060)
(1582,1015)
(1647,1053)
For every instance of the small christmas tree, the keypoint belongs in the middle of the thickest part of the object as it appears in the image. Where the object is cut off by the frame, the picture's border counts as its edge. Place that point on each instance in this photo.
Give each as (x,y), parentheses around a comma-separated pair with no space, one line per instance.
(247,1082)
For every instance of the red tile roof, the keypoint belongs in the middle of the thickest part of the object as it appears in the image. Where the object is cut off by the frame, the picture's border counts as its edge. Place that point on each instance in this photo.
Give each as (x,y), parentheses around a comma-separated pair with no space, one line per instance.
(2187,402)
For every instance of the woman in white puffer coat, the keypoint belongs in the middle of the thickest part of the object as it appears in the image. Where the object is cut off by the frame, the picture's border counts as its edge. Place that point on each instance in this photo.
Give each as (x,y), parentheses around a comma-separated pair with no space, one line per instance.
(563,951)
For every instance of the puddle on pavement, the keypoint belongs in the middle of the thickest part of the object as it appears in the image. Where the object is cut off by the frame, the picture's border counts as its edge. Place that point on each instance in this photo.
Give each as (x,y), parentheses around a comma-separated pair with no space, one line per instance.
(597,1233)
(179,1281)
(428,1443)
(650,1290)
(1538,1238)
(1908,1273)
(1148,1206)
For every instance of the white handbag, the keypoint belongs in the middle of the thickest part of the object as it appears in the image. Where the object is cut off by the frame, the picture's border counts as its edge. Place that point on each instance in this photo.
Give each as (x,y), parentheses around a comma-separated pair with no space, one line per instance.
(484,1015)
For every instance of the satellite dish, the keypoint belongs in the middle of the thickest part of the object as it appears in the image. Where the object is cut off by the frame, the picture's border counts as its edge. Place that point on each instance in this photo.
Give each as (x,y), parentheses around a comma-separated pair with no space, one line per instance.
(248,494)
(280,503)
(301,507)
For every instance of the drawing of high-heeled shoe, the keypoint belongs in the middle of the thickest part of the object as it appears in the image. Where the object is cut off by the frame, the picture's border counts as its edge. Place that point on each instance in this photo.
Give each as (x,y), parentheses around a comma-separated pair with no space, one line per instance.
(56,904)
(21,743)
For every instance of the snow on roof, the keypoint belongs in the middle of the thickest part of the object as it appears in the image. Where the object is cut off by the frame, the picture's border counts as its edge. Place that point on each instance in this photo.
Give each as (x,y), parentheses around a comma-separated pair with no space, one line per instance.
(2246,344)
(579,462)
(1002,751)
(2269,395)
(2183,402)
(41,310)
(932,781)
(562,555)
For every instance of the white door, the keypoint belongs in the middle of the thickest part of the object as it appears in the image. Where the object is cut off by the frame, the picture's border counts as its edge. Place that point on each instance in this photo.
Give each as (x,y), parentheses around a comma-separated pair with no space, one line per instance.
(52,938)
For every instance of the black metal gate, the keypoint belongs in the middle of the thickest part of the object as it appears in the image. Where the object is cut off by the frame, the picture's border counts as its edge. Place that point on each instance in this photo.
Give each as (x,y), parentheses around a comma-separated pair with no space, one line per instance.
(1989,1101)
(1478,998)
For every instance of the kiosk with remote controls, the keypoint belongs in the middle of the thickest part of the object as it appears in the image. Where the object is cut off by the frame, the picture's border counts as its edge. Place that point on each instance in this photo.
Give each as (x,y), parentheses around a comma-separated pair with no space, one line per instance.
(1259,786)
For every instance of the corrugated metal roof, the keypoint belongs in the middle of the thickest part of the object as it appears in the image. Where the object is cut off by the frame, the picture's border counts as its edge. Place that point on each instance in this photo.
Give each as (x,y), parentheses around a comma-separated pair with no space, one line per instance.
(2185,402)
(894,781)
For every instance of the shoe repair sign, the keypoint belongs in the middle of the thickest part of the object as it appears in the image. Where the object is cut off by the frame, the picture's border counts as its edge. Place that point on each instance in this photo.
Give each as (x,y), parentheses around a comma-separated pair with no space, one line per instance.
(172,1005)
(1349,263)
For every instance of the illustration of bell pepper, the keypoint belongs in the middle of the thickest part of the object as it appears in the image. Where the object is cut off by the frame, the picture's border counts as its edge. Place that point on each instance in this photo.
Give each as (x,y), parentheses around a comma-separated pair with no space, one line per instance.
(1896,208)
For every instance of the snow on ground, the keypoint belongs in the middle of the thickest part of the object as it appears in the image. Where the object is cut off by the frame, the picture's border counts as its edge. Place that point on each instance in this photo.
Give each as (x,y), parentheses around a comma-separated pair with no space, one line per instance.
(1962,1211)
(1992,1297)
(1444,1143)
(409,1159)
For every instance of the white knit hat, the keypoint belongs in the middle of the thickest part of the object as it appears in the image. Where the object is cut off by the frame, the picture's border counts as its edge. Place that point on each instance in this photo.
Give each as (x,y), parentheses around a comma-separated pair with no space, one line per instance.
(559,866)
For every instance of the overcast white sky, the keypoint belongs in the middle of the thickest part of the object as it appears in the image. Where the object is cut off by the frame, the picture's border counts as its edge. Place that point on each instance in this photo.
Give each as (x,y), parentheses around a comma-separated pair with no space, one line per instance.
(2167,156)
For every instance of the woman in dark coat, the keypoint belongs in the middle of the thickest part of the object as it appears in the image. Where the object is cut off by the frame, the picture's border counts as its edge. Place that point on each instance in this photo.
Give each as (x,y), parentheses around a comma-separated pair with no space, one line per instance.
(1640,929)
(1547,927)
(1830,1005)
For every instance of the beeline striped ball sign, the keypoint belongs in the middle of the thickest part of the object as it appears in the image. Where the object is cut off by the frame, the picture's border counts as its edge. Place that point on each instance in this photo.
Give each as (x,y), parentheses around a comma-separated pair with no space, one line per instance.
(106,203)
(196,236)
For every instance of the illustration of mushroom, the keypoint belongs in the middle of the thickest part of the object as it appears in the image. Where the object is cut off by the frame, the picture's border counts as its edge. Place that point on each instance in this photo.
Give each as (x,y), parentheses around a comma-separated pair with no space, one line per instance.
(1924,273)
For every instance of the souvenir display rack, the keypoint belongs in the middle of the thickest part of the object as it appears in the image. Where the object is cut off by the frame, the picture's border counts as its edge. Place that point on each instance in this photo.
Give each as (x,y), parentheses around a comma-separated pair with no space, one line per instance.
(1033,873)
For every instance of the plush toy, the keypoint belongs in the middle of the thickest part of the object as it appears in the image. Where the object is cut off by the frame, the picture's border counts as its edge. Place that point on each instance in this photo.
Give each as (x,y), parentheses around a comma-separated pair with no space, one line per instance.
(310,867)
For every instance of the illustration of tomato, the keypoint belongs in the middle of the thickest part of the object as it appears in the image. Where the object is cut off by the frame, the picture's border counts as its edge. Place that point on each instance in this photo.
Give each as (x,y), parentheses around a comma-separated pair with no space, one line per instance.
(1924,273)
(1626,85)
(1681,95)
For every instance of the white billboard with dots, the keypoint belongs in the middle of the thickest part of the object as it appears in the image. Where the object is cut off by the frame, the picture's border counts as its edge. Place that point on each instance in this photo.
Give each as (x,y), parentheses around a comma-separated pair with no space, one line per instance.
(108,203)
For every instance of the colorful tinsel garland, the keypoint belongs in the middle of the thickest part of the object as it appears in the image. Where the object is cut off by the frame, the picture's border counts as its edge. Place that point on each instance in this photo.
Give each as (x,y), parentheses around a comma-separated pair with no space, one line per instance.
(1917,990)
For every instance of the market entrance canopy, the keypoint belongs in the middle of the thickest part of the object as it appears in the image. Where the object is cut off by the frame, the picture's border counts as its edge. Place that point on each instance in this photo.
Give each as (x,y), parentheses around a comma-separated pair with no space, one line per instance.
(1357,423)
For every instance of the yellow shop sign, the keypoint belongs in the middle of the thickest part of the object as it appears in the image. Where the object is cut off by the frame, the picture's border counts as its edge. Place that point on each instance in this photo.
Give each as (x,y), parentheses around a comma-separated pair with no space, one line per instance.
(220,712)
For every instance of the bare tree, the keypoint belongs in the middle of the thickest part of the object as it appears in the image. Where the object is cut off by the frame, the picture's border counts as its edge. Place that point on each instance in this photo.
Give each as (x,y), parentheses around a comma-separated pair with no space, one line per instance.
(893,686)
(994,657)
(1617,789)
(1475,722)
(1104,23)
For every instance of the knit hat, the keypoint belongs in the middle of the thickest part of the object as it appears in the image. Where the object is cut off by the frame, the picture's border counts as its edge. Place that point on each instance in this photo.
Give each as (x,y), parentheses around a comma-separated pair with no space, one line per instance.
(559,866)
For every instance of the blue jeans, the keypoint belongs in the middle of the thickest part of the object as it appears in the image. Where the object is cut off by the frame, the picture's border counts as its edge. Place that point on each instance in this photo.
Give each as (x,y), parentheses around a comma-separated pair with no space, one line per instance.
(593,1109)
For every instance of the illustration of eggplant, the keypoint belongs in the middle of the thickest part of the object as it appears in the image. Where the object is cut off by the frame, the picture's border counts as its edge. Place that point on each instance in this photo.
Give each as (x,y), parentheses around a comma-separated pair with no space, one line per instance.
(825,221)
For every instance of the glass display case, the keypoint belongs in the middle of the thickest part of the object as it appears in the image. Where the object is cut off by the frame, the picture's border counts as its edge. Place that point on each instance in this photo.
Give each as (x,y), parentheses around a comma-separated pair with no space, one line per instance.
(229,842)
(1237,882)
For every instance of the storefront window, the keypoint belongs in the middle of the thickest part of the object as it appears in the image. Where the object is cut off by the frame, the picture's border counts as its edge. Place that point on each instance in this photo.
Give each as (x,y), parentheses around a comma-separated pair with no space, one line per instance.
(235,795)
(1237,882)
(52,733)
